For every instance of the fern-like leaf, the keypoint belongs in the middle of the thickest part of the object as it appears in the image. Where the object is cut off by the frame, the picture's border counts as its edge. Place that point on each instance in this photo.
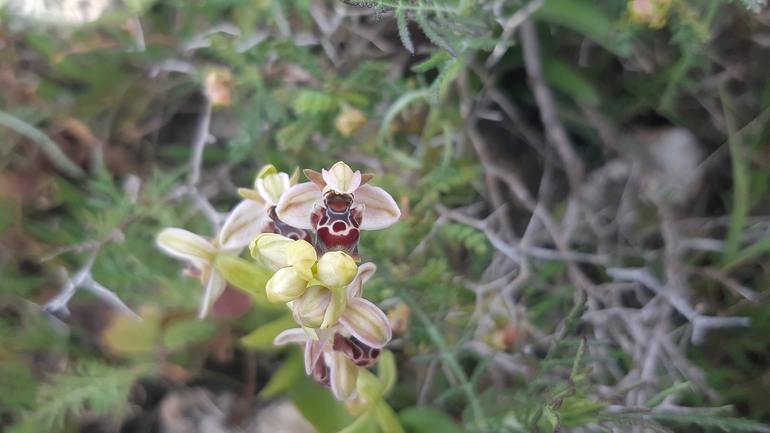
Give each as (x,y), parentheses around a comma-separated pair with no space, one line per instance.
(434,35)
(90,385)
(403,31)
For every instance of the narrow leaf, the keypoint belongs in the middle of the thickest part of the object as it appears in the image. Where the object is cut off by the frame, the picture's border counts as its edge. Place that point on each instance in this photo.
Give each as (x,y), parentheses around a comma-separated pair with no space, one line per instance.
(401,103)
(426,420)
(432,62)
(563,77)
(403,31)
(434,35)
(587,19)
(287,375)
(386,418)
(319,406)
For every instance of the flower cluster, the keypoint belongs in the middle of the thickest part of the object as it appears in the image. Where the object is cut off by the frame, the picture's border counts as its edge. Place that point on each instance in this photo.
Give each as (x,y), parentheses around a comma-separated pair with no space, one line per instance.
(304,237)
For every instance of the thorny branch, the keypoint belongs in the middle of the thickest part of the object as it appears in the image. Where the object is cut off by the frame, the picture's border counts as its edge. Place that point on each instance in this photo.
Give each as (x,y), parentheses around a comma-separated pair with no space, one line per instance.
(83,279)
(648,333)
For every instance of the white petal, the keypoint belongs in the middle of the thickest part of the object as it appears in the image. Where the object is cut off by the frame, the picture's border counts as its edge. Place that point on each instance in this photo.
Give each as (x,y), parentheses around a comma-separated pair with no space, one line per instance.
(296,203)
(365,271)
(380,209)
(183,244)
(243,224)
(214,287)
(367,322)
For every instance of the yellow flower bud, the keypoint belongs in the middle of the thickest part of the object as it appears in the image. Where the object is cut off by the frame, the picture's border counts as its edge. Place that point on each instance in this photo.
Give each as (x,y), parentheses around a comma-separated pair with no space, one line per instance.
(301,255)
(270,250)
(336,269)
(285,286)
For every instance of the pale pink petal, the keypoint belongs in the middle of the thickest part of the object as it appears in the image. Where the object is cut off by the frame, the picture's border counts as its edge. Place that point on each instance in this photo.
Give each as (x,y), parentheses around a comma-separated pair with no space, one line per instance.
(243,224)
(367,323)
(365,271)
(186,245)
(344,375)
(294,335)
(341,178)
(296,203)
(315,348)
(380,209)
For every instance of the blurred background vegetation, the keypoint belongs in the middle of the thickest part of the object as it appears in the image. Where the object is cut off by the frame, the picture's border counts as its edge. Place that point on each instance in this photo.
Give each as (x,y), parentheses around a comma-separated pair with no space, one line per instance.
(584,189)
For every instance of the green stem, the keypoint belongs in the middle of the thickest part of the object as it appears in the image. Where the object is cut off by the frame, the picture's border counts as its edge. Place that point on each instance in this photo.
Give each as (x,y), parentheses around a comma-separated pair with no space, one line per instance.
(49,147)
(741,182)
(446,356)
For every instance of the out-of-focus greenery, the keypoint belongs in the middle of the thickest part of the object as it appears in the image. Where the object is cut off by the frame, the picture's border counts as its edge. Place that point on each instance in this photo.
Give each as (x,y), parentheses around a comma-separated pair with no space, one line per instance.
(120,97)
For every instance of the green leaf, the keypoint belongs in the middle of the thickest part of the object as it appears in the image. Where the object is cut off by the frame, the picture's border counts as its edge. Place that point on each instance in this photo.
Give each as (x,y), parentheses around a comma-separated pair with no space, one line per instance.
(386,371)
(563,77)
(188,331)
(426,420)
(585,18)
(313,102)
(243,274)
(434,35)
(91,386)
(319,406)
(262,337)
(292,370)
(405,160)
(577,366)
(403,30)
(386,418)
(438,88)
(401,103)
(431,62)
(294,135)
(366,423)
(658,399)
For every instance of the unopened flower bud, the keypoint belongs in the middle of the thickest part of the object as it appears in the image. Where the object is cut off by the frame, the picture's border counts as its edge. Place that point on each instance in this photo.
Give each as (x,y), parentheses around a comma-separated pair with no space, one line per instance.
(285,286)
(301,255)
(336,269)
(270,250)
(310,308)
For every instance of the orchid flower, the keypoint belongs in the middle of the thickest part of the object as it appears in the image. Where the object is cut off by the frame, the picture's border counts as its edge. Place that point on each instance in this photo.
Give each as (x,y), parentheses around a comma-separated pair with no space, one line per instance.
(356,341)
(330,368)
(239,229)
(256,213)
(337,204)
(201,253)
(297,267)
